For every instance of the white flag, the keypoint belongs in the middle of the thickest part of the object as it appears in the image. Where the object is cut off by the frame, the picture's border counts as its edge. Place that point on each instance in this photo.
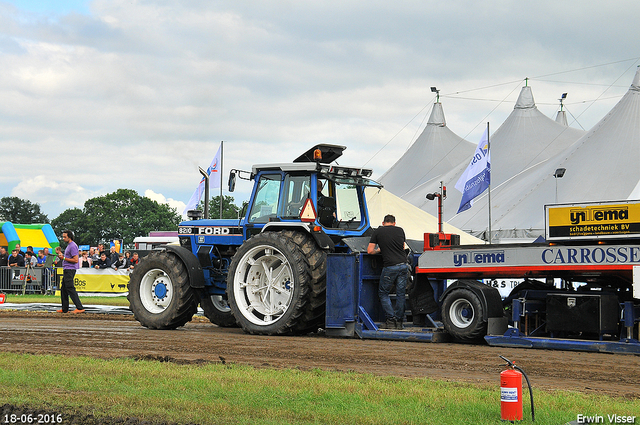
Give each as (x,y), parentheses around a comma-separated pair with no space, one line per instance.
(477,176)
(215,180)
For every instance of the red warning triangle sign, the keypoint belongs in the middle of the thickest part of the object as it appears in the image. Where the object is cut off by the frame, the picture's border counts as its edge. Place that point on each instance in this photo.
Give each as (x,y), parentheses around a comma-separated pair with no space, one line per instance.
(308,212)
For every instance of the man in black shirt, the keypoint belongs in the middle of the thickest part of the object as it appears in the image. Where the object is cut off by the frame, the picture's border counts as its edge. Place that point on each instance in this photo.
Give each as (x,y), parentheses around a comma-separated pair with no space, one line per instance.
(16,260)
(4,257)
(103,262)
(390,240)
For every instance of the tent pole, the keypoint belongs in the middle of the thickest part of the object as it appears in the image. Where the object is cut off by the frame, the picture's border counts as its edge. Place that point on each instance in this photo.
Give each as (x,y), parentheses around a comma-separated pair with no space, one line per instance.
(489,194)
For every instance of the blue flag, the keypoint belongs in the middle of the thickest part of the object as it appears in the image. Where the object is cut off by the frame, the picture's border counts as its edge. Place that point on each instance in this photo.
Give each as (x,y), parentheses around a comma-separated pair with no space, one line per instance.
(477,176)
(214,182)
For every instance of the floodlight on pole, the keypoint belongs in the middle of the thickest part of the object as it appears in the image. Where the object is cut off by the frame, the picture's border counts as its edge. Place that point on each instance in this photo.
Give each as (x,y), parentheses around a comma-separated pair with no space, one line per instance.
(558,174)
(437,92)
(562,98)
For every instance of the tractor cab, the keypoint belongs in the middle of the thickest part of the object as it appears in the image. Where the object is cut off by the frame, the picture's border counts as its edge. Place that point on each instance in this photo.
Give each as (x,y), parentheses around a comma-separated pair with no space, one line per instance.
(309,192)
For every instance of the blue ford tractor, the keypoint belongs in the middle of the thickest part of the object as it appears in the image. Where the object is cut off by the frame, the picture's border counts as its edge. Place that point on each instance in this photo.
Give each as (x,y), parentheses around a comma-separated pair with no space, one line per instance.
(265,272)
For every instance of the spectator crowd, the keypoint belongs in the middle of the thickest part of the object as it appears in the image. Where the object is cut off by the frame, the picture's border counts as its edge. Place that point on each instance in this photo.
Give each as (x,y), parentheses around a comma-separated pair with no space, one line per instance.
(96,258)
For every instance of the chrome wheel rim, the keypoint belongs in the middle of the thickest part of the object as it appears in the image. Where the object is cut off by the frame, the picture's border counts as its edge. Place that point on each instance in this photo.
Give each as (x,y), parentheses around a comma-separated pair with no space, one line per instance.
(263,285)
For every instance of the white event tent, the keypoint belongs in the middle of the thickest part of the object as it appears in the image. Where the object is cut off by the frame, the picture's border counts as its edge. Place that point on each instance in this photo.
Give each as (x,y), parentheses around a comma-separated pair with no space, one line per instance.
(434,152)
(602,165)
(525,140)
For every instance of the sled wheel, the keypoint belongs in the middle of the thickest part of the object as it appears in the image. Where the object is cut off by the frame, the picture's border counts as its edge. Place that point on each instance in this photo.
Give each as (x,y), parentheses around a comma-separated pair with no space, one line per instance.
(462,314)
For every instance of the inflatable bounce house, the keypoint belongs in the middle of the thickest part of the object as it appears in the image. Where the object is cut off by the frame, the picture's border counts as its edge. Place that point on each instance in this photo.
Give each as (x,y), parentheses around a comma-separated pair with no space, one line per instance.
(39,236)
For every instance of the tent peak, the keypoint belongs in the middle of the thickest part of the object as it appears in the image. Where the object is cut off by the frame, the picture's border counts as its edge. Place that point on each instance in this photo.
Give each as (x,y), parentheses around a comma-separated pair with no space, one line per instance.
(437,116)
(525,100)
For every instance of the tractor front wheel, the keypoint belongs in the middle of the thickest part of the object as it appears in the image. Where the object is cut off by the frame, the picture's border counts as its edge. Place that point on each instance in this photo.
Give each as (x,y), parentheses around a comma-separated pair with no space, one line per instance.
(159,293)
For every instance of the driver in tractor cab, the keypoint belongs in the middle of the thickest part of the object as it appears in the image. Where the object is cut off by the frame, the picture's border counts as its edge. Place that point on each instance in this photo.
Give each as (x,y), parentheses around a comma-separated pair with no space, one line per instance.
(326,205)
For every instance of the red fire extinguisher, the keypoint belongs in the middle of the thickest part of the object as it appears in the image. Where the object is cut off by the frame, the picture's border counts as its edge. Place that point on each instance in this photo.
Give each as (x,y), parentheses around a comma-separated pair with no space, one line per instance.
(511,393)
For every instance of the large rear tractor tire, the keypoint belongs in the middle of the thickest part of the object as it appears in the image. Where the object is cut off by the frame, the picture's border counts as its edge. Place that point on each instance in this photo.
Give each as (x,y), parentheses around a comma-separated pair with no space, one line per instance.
(159,293)
(462,316)
(316,258)
(273,286)
(216,309)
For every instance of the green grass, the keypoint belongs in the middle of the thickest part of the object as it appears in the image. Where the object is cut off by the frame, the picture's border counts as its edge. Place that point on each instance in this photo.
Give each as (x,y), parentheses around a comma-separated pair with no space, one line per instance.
(36,298)
(233,394)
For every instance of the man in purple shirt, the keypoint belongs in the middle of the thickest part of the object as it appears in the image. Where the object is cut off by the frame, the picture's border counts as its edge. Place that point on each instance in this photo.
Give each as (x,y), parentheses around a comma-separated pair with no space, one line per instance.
(70,264)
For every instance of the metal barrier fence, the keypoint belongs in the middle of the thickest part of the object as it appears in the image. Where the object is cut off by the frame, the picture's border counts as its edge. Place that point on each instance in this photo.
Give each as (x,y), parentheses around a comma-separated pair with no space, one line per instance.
(32,280)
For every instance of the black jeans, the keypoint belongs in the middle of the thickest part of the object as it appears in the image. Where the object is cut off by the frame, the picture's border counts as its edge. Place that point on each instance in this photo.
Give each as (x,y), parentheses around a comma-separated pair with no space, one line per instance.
(67,289)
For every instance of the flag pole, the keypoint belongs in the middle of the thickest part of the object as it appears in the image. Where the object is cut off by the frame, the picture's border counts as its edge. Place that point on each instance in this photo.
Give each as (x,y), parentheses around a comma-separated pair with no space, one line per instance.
(489,188)
(221,162)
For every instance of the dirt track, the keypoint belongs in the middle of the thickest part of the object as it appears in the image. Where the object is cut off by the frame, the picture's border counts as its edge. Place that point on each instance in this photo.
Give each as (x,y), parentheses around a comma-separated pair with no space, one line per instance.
(109,336)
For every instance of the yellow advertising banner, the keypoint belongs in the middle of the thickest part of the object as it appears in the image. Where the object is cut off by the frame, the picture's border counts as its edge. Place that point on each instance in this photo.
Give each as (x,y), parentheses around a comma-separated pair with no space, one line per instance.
(602,219)
(108,281)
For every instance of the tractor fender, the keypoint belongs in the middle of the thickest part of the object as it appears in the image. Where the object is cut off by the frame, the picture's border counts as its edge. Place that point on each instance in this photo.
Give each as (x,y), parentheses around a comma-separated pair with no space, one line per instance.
(196,275)
(321,238)
(490,297)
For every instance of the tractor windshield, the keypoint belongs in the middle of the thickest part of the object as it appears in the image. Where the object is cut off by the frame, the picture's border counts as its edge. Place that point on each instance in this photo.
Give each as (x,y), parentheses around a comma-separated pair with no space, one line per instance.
(265,203)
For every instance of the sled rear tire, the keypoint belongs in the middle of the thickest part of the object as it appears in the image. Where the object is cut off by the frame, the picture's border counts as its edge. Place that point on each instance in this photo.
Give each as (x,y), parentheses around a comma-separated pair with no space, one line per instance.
(462,315)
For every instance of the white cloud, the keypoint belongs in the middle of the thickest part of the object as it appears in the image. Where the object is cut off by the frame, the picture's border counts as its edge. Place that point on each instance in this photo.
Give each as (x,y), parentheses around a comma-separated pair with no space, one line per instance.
(41,190)
(161,199)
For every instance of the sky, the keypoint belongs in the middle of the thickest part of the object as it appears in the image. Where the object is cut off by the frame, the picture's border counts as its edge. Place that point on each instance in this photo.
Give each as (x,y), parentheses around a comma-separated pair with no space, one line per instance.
(107,94)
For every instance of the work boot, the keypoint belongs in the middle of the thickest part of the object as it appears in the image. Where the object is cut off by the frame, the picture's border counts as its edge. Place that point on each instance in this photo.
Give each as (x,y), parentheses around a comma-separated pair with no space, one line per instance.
(389,324)
(399,324)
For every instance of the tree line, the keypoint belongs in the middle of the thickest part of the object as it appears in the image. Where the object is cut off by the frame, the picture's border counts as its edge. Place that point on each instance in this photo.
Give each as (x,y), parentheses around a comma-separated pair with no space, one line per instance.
(123,214)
